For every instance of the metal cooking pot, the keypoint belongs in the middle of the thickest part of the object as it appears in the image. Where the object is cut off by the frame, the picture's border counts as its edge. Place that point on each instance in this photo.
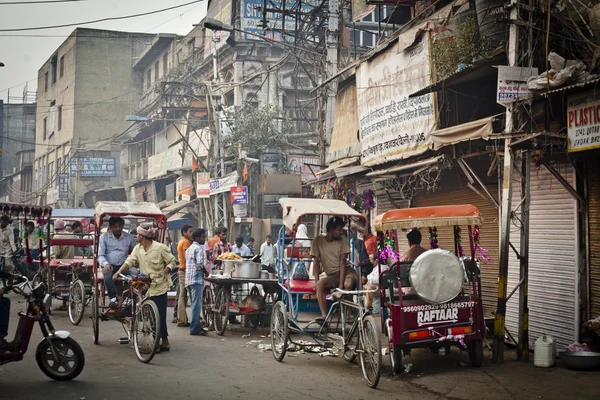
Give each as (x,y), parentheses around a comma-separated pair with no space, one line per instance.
(264,275)
(228,266)
(246,269)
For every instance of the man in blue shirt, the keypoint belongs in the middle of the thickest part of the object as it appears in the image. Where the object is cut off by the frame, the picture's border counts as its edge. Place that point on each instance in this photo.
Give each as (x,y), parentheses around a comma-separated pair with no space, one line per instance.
(113,248)
(195,269)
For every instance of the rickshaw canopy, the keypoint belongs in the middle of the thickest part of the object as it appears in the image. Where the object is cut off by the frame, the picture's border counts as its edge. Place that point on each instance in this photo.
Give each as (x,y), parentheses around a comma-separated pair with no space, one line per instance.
(24,210)
(125,209)
(73,213)
(438,216)
(295,208)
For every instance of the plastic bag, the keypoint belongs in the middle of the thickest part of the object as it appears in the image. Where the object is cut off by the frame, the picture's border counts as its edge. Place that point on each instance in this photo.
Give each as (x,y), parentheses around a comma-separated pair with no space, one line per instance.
(301,273)
(578,347)
(252,303)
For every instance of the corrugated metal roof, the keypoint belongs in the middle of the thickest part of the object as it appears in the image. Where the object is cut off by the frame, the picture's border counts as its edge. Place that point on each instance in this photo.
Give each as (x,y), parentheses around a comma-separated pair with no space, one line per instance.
(469,73)
(571,87)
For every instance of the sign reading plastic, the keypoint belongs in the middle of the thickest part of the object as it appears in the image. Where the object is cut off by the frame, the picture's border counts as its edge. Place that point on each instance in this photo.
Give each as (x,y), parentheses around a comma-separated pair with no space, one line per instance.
(392,125)
(239,195)
(99,167)
(583,121)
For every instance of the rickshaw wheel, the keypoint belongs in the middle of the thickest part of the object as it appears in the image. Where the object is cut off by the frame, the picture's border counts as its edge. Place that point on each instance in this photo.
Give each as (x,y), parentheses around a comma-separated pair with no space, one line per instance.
(370,354)
(475,348)
(221,314)
(279,330)
(146,331)
(254,318)
(350,347)
(95,314)
(396,359)
(207,304)
(76,302)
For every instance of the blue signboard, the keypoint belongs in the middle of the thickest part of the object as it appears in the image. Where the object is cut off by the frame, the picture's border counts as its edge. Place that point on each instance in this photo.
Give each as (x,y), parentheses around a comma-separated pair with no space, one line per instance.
(99,167)
(63,186)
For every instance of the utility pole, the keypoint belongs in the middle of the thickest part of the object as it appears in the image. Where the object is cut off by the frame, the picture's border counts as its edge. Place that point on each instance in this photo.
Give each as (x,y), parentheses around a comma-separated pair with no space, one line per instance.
(506,203)
(332,65)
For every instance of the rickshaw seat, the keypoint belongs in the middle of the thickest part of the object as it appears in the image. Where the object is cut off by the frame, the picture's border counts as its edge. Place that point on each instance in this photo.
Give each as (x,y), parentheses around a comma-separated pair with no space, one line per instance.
(297,286)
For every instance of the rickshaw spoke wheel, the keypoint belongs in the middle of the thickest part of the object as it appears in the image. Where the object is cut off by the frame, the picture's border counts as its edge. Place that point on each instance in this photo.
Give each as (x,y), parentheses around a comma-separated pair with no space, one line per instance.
(207,304)
(146,331)
(370,351)
(350,345)
(221,310)
(279,330)
(76,301)
(95,312)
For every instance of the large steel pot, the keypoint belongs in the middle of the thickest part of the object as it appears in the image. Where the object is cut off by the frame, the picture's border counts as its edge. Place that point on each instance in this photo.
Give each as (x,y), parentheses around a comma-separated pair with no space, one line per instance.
(228,267)
(246,269)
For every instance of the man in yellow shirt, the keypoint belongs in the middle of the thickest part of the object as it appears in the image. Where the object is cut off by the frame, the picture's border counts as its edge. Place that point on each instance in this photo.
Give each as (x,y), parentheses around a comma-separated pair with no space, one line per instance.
(155,260)
(182,246)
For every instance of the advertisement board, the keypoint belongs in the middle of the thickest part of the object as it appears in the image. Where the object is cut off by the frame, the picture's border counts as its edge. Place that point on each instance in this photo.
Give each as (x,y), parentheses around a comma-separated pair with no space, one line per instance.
(63,186)
(252,17)
(393,126)
(203,185)
(512,83)
(94,167)
(222,185)
(583,121)
(239,195)
(297,164)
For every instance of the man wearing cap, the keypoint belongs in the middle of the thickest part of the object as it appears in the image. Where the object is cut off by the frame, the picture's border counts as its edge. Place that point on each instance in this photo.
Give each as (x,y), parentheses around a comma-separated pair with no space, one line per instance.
(113,247)
(155,260)
(62,252)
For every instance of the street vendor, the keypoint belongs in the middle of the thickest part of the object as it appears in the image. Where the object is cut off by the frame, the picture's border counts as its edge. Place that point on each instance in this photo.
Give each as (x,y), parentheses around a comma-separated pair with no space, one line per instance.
(330,252)
(155,260)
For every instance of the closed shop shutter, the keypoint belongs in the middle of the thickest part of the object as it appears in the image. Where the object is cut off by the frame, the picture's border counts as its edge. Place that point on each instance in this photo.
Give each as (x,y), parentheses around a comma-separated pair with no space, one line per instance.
(488,236)
(552,294)
(593,170)
(388,199)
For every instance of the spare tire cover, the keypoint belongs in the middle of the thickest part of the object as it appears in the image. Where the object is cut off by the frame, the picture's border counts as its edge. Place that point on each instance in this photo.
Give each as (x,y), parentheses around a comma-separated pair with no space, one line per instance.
(437,276)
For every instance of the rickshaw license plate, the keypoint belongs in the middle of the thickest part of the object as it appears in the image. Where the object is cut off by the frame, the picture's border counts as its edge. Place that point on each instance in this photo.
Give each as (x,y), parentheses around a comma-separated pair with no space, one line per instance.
(431,314)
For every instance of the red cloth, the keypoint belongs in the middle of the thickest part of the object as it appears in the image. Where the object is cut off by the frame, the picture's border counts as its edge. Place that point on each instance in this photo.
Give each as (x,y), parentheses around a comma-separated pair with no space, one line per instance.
(371,244)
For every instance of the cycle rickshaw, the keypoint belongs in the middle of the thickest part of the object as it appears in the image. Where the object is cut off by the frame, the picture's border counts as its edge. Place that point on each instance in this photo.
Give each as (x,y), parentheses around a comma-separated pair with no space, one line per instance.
(69,280)
(434,301)
(359,336)
(138,314)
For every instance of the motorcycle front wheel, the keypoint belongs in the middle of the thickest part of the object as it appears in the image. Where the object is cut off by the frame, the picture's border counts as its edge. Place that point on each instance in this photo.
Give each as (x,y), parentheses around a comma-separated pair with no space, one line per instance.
(68,363)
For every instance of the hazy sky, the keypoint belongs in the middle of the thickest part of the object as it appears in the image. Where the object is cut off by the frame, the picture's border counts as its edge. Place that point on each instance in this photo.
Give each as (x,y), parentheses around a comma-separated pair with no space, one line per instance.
(23,56)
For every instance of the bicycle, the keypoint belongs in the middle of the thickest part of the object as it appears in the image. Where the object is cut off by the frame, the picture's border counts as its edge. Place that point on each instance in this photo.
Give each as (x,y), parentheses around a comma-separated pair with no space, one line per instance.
(79,295)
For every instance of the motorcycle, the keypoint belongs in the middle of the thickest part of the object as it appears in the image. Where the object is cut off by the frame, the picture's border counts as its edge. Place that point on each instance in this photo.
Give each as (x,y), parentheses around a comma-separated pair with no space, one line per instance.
(58,355)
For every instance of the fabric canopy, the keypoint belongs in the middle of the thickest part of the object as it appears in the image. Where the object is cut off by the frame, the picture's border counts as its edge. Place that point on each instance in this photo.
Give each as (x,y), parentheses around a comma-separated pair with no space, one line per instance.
(295,208)
(480,129)
(419,217)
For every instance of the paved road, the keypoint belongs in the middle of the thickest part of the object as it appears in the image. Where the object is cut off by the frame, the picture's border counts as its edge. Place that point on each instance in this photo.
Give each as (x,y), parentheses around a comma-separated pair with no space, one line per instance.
(211,367)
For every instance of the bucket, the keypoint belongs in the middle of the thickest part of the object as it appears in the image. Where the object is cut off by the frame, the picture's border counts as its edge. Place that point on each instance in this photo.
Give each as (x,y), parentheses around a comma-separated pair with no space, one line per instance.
(544,355)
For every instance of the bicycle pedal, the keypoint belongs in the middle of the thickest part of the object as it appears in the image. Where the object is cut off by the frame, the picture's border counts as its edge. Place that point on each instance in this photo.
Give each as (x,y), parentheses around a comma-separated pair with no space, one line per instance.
(123,341)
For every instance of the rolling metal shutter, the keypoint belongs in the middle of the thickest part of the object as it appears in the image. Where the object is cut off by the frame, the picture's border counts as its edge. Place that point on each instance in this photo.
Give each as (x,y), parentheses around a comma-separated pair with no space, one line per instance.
(553,241)
(488,236)
(388,199)
(593,170)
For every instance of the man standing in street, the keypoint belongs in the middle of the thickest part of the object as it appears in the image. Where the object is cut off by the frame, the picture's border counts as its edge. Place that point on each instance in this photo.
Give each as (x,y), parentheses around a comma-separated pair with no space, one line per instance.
(194,279)
(155,260)
(222,245)
(268,253)
(240,248)
(251,246)
(331,252)
(182,246)
(113,248)
(8,248)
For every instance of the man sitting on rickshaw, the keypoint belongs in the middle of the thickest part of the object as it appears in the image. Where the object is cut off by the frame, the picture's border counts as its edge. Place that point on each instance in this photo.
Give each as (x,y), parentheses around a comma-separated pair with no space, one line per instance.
(414,241)
(331,253)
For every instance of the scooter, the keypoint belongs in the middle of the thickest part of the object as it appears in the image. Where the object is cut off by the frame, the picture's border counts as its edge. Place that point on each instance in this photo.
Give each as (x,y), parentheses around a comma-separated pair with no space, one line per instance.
(58,355)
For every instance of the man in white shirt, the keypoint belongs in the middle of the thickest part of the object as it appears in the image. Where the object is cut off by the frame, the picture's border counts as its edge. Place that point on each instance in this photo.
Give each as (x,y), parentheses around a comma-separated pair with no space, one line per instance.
(268,252)
(240,248)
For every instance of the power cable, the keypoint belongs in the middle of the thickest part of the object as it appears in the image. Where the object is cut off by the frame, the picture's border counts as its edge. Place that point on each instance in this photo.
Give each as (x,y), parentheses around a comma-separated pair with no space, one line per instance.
(37,28)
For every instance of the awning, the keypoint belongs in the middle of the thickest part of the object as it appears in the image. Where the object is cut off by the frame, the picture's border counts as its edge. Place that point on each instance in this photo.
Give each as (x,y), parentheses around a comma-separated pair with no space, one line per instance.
(568,88)
(330,171)
(480,129)
(176,207)
(406,167)
(467,74)
(177,221)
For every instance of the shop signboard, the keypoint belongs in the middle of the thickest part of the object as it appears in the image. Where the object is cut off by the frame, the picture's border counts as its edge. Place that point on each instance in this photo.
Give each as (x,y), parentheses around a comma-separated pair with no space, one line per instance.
(240,210)
(239,195)
(344,139)
(94,167)
(221,11)
(222,185)
(63,186)
(512,83)
(583,121)
(393,126)
(203,185)
(252,17)
(298,164)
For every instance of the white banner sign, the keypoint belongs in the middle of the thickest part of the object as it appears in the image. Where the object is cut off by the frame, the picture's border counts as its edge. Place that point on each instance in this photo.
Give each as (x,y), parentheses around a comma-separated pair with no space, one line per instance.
(583,121)
(224,184)
(512,83)
(392,126)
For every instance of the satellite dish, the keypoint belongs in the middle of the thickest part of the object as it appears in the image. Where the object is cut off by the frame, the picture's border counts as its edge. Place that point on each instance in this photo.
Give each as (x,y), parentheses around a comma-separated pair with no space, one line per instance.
(437,276)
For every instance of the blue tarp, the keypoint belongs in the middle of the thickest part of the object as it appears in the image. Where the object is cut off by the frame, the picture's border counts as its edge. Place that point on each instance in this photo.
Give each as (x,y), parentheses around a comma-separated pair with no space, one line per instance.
(174,223)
